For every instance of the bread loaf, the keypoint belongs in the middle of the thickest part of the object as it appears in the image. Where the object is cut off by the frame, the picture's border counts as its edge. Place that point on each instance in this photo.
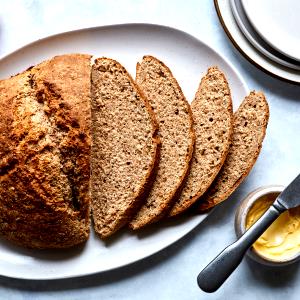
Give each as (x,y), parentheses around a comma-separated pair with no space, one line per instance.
(44,154)
(177,136)
(125,146)
(53,113)
(212,115)
(249,128)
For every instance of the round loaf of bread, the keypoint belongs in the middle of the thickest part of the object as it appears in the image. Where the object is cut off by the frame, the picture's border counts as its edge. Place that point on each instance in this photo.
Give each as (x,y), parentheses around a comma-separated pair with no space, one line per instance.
(44,154)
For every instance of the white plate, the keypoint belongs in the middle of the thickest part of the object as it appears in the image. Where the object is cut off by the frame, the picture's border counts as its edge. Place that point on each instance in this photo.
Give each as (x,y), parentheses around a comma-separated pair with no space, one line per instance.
(277,22)
(189,59)
(251,53)
(255,39)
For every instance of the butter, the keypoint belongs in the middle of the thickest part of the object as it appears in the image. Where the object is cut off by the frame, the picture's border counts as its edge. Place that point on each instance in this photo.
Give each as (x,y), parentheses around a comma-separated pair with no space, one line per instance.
(281,241)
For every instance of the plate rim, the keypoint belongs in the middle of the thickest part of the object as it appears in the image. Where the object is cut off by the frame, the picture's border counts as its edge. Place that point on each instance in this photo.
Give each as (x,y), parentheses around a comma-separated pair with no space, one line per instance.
(265,38)
(257,42)
(133,24)
(245,55)
(202,217)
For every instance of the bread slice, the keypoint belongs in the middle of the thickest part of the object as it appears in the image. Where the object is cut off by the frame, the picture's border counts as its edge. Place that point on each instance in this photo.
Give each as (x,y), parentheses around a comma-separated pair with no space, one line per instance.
(177,136)
(124,149)
(249,128)
(44,154)
(213,117)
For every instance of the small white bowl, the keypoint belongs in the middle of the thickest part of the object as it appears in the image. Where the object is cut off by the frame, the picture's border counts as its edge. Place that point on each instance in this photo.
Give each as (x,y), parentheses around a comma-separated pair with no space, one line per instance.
(240,223)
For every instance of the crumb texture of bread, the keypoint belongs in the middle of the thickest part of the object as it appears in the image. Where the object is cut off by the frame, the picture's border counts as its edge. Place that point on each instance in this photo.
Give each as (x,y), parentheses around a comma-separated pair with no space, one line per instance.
(176,133)
(213,117)
(124,147)
(44,154)
(249,128)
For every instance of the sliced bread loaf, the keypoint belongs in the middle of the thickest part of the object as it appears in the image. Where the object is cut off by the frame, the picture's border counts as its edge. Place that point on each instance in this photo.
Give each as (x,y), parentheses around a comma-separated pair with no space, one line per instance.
(124,148)
(44,154)
(212,115)
(249,128)
(177,137)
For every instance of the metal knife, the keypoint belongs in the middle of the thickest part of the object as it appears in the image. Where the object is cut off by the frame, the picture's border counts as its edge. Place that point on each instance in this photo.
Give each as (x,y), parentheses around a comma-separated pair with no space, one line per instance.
(215,273)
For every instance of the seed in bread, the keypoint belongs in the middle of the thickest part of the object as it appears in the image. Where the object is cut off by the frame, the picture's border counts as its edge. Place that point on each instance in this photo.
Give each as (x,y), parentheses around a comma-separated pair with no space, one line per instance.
(177,137)
(124,148)
(249,128)
(212,115)
(44,154)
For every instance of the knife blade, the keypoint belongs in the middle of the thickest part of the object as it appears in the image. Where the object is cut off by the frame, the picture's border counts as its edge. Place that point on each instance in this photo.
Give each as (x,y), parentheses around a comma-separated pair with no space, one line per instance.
(290,196)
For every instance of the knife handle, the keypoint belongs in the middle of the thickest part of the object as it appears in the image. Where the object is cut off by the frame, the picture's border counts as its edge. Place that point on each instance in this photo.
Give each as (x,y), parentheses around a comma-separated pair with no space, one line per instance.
(215,273)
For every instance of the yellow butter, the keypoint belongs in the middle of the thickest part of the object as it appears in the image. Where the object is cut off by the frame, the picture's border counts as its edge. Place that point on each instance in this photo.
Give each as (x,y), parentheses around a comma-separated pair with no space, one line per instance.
(281,241)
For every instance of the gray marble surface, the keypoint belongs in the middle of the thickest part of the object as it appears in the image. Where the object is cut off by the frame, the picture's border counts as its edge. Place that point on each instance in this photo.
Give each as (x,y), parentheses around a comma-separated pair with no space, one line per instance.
(171,274)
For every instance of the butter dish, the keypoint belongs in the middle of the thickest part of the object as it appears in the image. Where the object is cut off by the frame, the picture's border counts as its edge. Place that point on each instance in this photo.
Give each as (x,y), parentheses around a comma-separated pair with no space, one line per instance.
(279,245)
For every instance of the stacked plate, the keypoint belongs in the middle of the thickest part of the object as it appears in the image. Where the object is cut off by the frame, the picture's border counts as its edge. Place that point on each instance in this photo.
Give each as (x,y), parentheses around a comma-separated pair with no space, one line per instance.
(266,32)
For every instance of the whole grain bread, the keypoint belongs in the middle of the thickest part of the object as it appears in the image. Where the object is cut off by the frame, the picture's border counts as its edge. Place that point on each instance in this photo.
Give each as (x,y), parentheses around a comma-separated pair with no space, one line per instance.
(44,154)
(249,128)
(177,136)
(213,117)
(124,149)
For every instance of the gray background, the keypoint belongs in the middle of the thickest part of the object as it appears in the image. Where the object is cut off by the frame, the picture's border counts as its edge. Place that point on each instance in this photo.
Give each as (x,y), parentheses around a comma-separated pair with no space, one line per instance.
(171,274)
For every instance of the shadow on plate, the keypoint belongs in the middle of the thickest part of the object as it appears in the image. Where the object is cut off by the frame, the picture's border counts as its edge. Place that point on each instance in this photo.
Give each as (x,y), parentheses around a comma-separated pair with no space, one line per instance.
(146,232)
(50,255)
(168,222)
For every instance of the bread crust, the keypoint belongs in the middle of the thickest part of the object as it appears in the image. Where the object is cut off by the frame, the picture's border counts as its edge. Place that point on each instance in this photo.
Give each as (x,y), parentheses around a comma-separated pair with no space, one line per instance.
(213,195)
(44,154)
(138,221)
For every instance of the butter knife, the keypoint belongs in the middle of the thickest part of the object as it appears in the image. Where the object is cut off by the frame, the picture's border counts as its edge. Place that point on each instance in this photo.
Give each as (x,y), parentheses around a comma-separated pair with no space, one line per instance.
(216,272)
